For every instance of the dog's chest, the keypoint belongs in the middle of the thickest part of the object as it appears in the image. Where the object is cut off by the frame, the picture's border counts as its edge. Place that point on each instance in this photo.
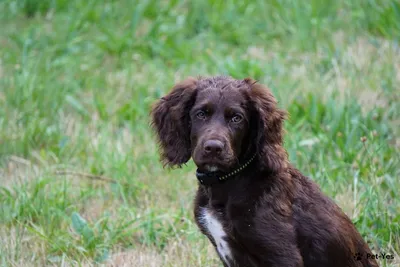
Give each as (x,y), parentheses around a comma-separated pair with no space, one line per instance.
(215,229)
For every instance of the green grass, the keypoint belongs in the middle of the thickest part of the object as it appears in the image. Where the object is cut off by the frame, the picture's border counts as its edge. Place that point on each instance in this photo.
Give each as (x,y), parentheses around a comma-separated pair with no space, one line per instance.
(77,79)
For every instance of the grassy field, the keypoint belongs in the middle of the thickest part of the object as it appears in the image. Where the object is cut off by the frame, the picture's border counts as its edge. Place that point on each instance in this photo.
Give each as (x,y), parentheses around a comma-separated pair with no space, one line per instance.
(77,79)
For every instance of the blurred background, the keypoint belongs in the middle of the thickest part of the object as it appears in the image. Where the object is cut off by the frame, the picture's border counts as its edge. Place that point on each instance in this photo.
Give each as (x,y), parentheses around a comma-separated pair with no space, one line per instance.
(80,178)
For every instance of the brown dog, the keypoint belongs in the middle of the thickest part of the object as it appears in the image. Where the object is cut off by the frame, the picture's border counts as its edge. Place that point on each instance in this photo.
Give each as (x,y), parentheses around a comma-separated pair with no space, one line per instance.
(253,205)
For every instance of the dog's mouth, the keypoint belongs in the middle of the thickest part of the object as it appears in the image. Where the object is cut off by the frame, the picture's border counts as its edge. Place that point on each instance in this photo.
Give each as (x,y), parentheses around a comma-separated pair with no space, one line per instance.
(209,174)
(210,164)
(212,167)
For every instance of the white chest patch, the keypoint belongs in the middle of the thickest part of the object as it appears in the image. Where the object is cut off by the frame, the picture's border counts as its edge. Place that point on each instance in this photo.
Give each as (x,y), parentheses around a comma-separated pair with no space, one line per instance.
(214,227)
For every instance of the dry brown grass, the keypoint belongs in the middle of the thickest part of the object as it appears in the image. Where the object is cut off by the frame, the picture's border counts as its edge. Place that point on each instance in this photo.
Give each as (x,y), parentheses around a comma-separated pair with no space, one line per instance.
(21,248)
(178,253)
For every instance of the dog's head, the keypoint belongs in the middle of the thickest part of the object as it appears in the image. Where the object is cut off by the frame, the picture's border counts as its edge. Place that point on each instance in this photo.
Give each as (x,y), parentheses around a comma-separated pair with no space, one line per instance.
(220,122)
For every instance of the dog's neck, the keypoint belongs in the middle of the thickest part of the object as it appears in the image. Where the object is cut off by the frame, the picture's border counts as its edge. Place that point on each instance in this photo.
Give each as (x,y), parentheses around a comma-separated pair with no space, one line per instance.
(237,188)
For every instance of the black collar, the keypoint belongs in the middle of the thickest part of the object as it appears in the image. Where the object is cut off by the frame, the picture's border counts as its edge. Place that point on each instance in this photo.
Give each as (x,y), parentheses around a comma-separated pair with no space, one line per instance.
(210,178)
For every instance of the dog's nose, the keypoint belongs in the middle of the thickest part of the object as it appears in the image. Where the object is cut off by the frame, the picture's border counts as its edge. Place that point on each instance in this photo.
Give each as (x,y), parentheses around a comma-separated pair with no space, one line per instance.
(213,147)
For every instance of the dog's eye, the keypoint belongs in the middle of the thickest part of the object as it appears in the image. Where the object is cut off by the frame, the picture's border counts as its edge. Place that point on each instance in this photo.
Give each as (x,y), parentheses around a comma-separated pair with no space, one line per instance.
(237,118)
(201,115)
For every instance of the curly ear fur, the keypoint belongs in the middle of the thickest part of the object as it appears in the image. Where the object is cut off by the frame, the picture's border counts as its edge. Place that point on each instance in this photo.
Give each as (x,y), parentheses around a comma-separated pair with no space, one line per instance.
(269,135)
(170,120)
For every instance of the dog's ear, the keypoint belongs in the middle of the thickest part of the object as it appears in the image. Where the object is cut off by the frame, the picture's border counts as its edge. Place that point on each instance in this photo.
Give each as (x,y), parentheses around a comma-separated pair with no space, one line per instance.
(171,122)
(268,120)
